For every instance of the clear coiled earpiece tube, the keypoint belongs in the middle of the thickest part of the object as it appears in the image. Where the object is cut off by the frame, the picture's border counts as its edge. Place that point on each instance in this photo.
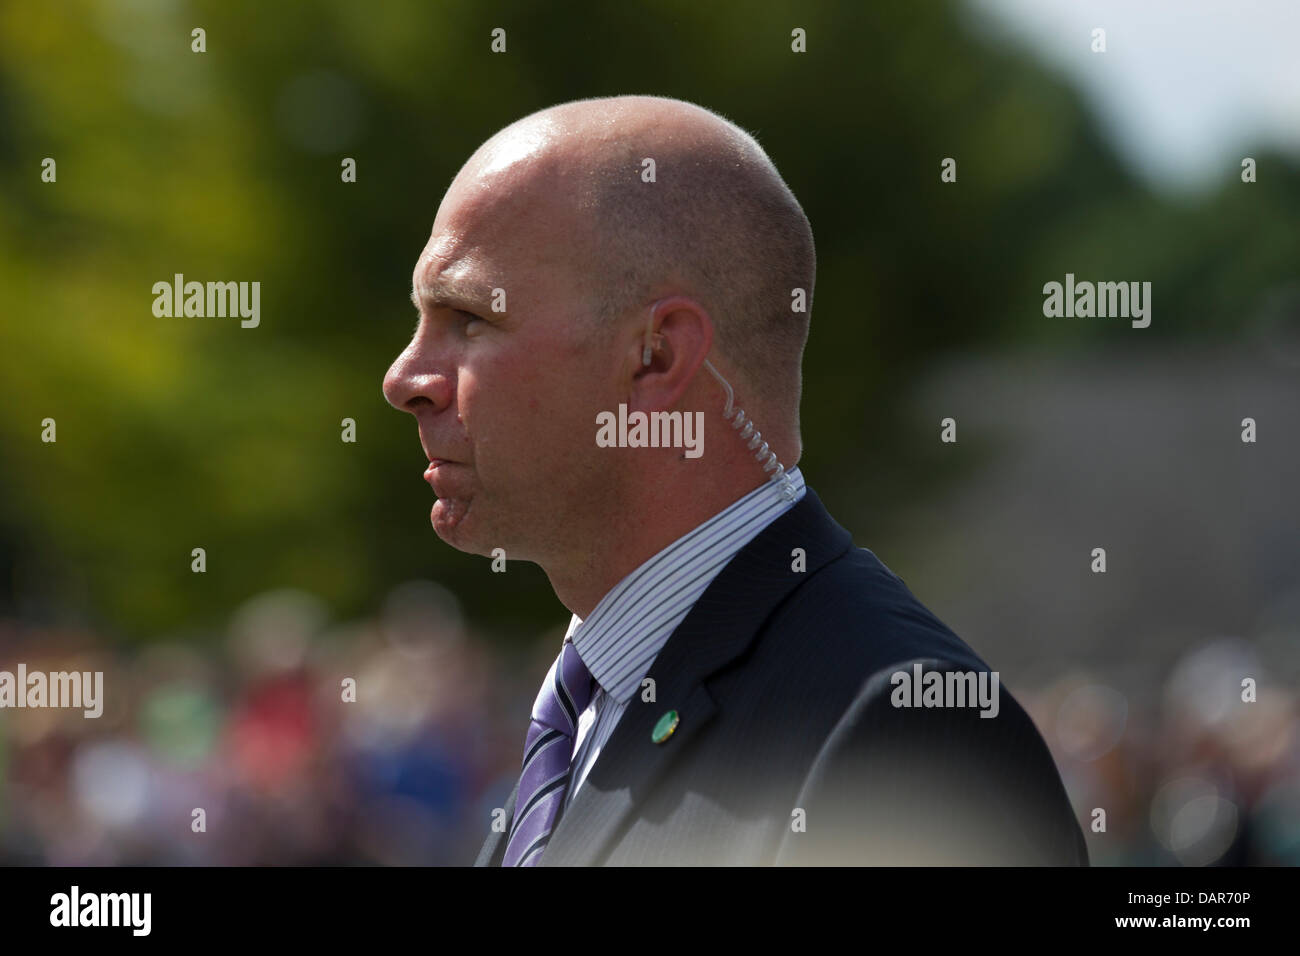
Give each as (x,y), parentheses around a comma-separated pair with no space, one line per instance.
(736,416)
(766,457)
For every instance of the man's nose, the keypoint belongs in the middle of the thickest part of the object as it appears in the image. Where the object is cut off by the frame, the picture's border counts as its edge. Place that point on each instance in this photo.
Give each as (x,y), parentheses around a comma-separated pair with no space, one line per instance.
(412,381)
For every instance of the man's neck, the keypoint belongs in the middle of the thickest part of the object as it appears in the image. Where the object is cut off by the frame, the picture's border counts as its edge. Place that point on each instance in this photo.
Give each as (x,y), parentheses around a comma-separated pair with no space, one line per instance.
(581,583)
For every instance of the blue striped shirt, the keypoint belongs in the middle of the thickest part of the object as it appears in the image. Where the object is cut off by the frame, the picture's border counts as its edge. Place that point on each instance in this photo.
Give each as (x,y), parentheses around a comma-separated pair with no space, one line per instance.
(621,638)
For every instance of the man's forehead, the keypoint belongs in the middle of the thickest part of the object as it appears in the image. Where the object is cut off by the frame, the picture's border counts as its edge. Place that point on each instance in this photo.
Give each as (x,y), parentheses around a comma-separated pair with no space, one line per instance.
(461,249)
(461,274)
(517,149)
(486,213)
(439,254)
(491,235)
(448,268)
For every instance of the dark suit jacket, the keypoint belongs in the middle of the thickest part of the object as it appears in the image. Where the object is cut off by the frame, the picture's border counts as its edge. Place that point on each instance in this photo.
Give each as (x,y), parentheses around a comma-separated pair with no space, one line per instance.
(789,748)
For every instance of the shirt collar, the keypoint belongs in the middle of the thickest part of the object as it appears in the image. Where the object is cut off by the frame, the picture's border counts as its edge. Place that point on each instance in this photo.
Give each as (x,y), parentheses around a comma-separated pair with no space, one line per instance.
(621,637)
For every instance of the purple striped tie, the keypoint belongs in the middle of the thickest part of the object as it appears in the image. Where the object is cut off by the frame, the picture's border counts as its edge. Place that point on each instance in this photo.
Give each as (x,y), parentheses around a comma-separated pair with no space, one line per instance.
(548,748)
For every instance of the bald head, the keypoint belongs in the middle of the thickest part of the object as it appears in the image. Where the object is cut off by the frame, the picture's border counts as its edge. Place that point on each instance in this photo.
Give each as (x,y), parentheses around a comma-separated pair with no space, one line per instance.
(711,219)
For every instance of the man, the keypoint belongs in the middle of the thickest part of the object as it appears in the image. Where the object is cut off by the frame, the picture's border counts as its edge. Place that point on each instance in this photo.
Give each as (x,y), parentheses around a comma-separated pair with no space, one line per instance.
(739,684)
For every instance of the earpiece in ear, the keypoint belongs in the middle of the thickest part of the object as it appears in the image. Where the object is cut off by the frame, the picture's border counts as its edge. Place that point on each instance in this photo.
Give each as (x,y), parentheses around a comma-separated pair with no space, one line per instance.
(651,344)
(649,349)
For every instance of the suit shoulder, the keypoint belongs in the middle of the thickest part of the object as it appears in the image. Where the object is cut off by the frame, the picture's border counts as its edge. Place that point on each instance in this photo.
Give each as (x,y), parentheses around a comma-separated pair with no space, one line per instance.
(856,616)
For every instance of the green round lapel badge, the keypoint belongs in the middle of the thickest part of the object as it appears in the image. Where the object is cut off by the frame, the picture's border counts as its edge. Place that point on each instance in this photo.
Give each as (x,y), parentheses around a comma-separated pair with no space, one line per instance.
(664,729)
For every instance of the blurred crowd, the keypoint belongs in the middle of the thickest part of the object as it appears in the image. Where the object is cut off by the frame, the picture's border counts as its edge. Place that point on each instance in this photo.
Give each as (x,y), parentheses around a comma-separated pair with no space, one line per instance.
(251,748)
(385,741)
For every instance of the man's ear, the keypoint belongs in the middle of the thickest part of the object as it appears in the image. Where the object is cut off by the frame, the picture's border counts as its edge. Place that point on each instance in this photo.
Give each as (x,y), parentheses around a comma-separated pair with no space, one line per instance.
(675,340)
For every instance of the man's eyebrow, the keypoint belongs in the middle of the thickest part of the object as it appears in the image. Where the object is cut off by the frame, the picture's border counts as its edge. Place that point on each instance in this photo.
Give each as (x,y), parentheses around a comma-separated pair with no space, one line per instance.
(444,297)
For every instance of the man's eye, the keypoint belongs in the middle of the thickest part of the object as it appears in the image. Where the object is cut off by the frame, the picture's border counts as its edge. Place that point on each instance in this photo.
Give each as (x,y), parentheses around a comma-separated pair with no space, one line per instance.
(472,321)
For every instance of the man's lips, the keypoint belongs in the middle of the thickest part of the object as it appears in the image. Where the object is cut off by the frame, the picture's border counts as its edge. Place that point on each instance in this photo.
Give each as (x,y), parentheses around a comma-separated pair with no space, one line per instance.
(435,464)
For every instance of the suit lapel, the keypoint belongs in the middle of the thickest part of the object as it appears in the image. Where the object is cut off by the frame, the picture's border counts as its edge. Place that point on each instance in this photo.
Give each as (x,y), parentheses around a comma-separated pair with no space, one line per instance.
(717,630)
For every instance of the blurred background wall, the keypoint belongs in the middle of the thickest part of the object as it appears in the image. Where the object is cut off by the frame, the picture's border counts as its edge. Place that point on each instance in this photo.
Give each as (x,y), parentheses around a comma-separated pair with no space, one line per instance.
(222,688)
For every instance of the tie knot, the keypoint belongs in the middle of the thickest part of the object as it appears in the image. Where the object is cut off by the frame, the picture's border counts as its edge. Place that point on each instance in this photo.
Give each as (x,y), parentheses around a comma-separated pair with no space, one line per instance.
(566,694)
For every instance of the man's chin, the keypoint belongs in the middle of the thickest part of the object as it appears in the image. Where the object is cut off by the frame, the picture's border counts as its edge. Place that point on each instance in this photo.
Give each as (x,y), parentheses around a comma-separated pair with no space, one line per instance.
(450,520)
